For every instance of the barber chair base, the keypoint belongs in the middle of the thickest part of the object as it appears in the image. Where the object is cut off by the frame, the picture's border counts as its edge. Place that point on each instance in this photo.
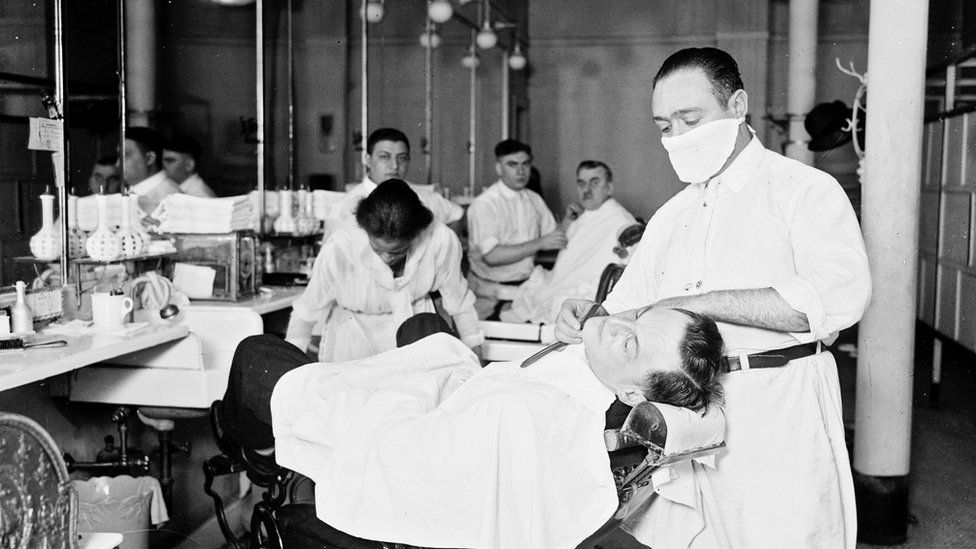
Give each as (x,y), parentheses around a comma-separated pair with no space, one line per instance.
(261,470)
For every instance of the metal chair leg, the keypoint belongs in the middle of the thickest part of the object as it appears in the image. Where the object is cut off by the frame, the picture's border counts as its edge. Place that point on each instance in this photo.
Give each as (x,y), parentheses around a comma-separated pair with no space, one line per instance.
(212,468)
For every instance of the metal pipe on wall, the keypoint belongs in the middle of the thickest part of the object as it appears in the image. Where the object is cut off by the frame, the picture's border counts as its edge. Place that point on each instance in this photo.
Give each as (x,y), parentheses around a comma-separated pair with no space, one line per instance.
(140,66)
(259,100)
(61,157)
(122,92)
(291,102)
(473,114)
(364,79)
(429,102)
(506,91)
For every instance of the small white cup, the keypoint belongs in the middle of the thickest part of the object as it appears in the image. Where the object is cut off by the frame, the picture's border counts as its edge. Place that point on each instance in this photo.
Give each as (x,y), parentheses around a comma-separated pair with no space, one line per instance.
(110,310)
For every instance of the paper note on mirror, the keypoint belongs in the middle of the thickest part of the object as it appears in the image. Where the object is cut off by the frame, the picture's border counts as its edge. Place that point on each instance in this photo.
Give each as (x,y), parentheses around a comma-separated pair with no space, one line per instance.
(45,134)
(193,280)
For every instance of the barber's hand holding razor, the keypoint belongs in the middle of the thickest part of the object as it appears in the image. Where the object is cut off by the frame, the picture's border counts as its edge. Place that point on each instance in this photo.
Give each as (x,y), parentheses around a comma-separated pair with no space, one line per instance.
(569,321)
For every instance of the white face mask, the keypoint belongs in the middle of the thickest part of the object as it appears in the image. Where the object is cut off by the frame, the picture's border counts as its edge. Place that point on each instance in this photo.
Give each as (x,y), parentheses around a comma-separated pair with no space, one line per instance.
(699,154)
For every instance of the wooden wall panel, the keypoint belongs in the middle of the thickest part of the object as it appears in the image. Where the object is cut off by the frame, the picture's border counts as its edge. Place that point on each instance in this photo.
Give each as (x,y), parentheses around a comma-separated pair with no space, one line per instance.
(956,228)
(928,225)
(952,161)
(967,311)
(947,294)
(926,291)
(932,155)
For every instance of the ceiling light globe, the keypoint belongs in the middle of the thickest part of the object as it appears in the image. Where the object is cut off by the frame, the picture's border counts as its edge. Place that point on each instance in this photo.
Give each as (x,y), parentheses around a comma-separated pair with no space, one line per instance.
(440,11)
(517,61)
(486,39)
(470,61)
(433,40)
(374,11)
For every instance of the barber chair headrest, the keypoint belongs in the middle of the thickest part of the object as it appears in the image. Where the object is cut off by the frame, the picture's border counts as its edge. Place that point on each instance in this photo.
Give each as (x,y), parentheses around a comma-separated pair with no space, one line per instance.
(668,429)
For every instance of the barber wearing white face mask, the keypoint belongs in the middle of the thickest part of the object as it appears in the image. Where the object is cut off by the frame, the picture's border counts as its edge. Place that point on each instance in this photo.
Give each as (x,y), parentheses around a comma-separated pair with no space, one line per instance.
(770,248)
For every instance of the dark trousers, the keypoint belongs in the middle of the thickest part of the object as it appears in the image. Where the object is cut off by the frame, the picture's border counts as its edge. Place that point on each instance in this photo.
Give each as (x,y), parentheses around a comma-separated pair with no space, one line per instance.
(260,361)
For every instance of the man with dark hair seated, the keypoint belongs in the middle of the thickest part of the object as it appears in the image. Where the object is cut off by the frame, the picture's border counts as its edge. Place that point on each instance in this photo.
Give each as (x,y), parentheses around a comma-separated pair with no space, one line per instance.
(420,445)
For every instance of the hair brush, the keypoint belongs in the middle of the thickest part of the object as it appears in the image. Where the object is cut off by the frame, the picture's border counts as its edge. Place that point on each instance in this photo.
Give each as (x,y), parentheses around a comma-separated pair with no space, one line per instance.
(22,343)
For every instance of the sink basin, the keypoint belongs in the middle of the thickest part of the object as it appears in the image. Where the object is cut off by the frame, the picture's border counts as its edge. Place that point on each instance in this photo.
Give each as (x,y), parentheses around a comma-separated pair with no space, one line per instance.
(188,373)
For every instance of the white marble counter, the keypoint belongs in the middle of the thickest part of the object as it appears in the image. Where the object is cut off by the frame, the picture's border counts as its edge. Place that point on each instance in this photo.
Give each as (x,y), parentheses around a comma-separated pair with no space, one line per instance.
(279,297)
(22,367)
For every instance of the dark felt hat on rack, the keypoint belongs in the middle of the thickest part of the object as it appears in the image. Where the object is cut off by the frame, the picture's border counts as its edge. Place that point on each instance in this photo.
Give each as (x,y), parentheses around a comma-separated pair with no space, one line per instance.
(826,122)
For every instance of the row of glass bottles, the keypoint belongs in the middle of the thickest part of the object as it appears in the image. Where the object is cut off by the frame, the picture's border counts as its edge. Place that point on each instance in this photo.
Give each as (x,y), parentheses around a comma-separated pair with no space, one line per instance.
(295,219)
(104,244)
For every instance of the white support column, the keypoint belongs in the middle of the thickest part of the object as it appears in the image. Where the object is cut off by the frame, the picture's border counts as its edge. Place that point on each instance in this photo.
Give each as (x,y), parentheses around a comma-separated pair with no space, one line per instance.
(890,213)
(140,60)
(802,76)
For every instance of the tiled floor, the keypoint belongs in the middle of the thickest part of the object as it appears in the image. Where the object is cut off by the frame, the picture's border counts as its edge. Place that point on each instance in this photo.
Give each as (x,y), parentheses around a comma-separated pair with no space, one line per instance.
(943,462)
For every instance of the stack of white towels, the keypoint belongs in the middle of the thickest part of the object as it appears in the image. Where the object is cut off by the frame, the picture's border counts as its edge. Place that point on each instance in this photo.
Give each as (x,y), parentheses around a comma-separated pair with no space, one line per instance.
(182,213)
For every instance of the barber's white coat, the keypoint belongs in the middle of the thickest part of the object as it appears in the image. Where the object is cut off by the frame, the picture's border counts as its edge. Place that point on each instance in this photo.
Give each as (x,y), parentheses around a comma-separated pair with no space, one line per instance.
(361,304)
(766,221)
(401,451)
(576,273)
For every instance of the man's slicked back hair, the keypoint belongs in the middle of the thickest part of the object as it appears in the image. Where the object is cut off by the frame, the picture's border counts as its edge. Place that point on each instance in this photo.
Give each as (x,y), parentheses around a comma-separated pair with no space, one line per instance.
(594,164)
(719,67)
(148,140)
(696,385)
(386,134)
(511,146)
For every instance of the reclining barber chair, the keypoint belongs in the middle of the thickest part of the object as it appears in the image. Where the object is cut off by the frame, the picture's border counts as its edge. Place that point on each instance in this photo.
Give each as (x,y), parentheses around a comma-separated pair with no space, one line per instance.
(637,447)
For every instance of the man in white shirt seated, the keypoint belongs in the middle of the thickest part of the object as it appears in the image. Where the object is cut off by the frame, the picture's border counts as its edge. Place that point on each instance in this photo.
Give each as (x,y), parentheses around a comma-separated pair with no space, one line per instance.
(597,220)
(181,154)
(142,168)
(387,156)
(420,445)
(507,225)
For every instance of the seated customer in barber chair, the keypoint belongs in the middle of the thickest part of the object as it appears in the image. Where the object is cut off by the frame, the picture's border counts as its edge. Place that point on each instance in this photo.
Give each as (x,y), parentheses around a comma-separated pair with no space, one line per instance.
(595,222)
(422,446)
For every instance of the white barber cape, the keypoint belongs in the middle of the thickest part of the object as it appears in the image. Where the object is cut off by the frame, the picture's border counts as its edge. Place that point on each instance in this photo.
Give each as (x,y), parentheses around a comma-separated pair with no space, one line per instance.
(766,221)
(361,304)
(421,446)
(576,274)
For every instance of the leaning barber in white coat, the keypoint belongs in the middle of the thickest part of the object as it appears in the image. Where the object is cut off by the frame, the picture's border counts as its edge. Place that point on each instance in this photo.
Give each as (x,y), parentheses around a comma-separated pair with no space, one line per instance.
(771,249)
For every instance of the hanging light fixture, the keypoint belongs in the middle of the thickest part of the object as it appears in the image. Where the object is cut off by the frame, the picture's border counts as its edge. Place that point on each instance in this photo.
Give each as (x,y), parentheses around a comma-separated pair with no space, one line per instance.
(439,11)
(374,11)
(517,60)
(431,40)
(470,60)
(486,38)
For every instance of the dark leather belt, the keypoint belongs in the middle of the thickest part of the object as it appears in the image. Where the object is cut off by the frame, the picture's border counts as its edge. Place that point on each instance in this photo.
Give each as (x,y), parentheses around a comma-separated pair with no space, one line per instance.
(771,359)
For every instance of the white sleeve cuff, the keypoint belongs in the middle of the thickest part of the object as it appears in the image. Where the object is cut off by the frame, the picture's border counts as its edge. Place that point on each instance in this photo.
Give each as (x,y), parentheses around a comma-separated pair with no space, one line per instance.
(468,328)
(299,332)
(803,297)
(473,340)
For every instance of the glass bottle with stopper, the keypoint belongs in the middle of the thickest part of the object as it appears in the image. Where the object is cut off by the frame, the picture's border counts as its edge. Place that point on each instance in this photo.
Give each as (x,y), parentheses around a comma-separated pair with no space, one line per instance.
(21,317)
